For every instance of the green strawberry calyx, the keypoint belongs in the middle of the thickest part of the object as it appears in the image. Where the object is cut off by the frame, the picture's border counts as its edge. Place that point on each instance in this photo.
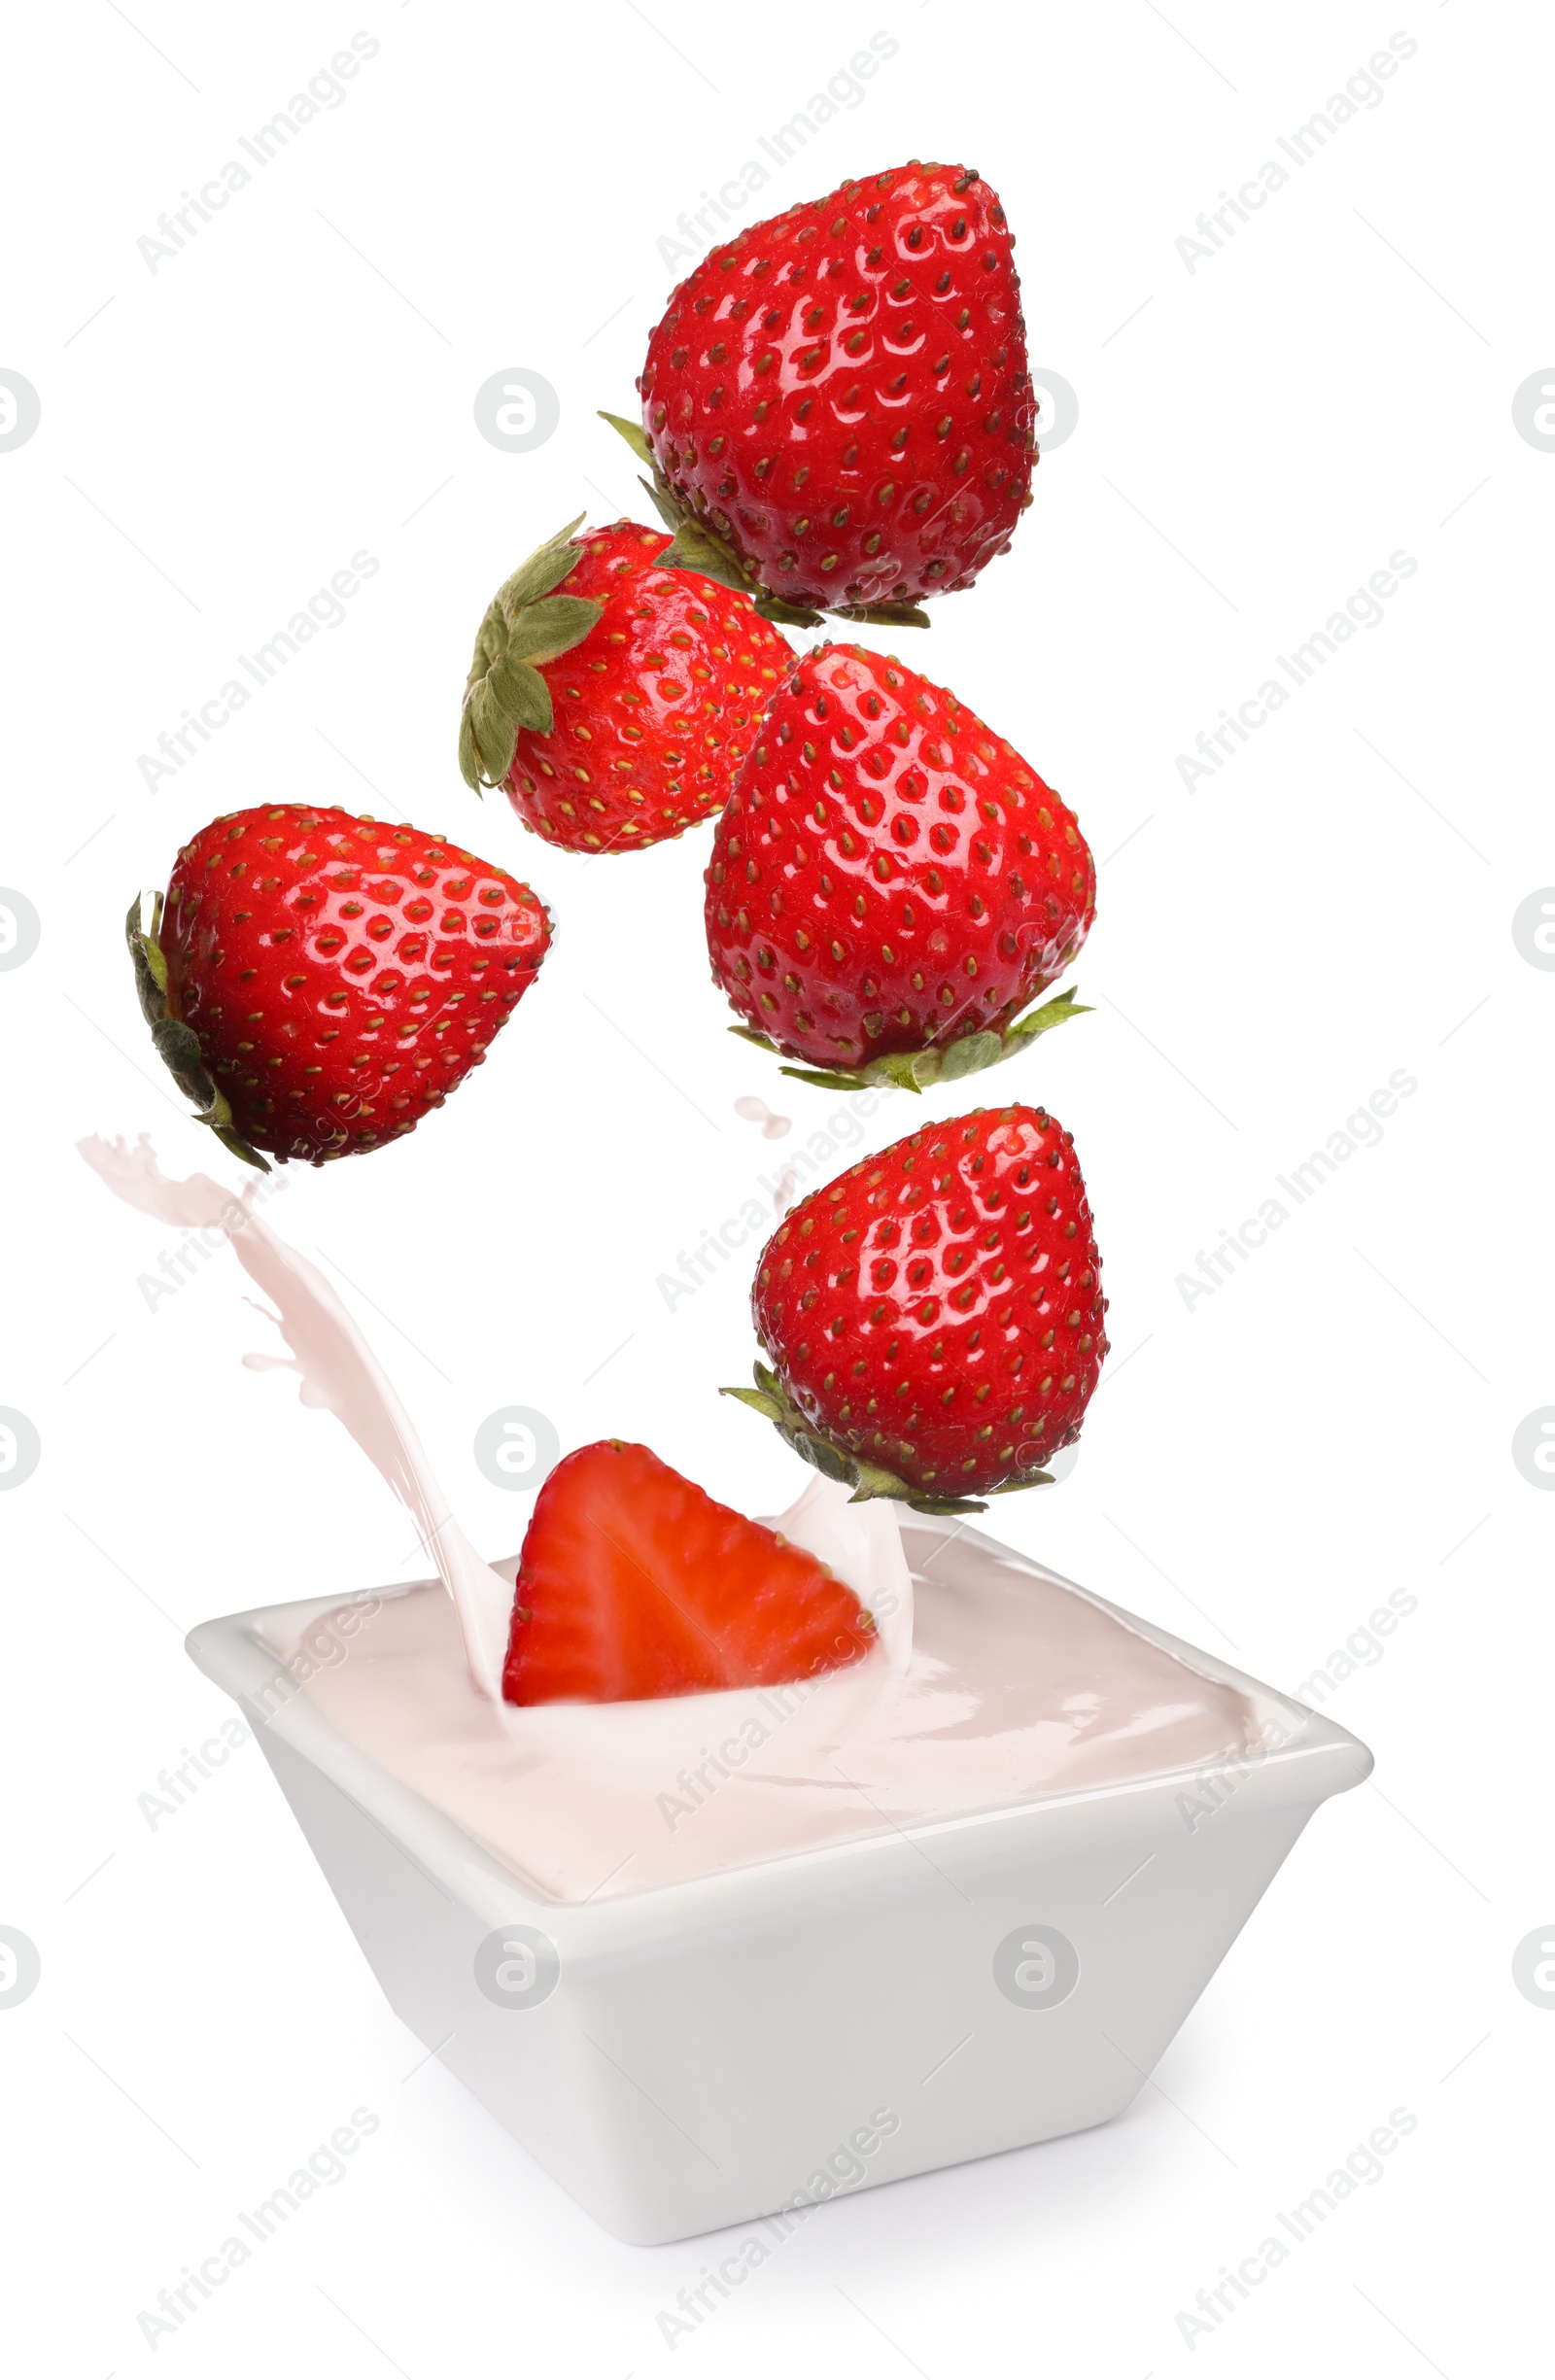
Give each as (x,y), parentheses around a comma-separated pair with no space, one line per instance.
(917,1070)
(698,546)
(770,1399)
(525,626)
(178,1044)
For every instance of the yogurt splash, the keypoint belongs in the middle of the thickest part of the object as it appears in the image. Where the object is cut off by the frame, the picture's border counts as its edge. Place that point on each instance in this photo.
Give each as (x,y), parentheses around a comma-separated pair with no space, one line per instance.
(338,1372)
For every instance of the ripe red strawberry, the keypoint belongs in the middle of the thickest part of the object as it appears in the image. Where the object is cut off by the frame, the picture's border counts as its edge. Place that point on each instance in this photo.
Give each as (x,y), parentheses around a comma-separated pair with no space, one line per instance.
(891,883)
(636,734)
(838,401)
(935,1314)
(316,981)
(633,1583)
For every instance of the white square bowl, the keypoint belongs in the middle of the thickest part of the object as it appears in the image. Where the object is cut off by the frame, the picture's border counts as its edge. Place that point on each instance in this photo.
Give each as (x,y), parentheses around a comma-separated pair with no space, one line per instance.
(711,2051)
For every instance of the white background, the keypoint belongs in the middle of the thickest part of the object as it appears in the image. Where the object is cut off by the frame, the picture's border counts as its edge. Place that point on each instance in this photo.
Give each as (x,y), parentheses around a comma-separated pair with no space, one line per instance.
(1261,1469)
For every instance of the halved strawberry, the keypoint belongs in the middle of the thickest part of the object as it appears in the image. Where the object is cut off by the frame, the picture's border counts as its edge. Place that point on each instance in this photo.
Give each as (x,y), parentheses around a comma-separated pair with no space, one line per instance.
(633,1583)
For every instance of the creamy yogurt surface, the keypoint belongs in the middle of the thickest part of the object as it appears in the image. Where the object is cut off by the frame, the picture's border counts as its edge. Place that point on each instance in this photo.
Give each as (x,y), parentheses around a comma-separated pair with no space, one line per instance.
(1017,1686)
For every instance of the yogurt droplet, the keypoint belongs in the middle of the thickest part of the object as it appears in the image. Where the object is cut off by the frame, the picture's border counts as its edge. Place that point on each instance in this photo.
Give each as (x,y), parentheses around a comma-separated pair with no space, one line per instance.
(756,1111)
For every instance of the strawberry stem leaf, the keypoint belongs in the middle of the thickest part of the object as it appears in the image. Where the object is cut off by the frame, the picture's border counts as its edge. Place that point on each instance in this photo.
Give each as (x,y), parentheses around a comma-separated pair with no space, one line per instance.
(766,1407)
(632,433)
(1057,1010)
(884,615)
(661,505)
(693,548)
(867,1480)
(525,626)
(821,1081)
(178,1044)
(917,1070)
(782,614)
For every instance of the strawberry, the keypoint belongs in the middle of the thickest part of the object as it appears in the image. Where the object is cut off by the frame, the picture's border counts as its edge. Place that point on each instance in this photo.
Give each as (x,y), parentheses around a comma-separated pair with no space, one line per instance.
(837,404)
(935,1314)
(636,735)
(316,981)
(891,883)
(633,1583)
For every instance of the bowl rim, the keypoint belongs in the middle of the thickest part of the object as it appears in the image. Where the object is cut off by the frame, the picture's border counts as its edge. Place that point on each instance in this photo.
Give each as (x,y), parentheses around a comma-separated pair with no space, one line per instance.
(1319,1758)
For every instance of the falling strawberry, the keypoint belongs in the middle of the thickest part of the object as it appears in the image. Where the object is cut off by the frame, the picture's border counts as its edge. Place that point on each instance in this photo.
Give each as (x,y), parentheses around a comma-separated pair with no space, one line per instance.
(316,981)
(890,883)
(837,404)
(636,734)
(935,1314)
(633,1583)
